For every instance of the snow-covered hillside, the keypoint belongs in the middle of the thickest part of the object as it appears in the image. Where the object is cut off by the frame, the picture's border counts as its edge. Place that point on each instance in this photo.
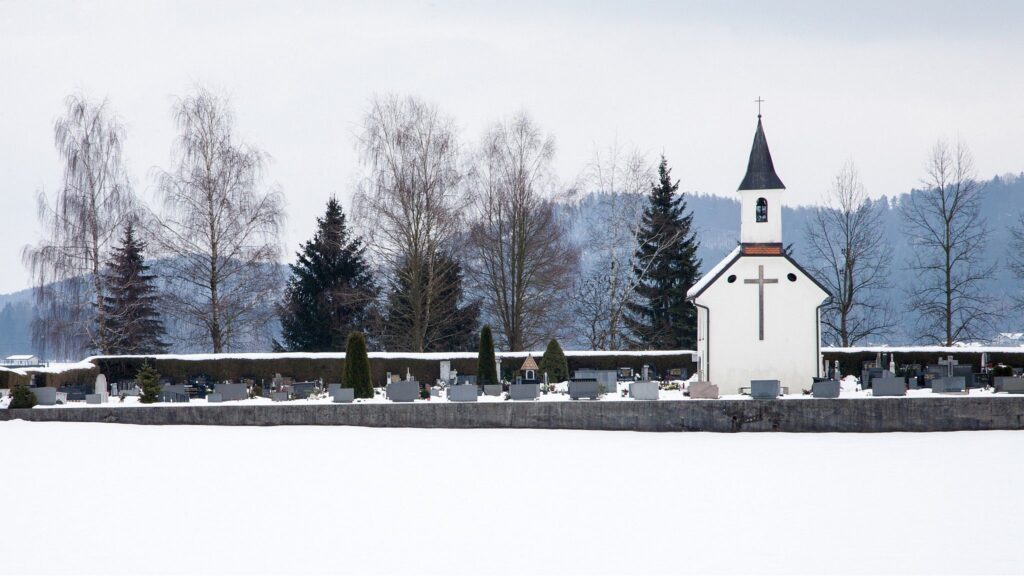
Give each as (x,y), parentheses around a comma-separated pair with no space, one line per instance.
(117,499)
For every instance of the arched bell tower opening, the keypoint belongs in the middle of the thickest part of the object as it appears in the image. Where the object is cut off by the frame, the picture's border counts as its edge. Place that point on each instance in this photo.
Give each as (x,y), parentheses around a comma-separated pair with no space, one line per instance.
(761,215)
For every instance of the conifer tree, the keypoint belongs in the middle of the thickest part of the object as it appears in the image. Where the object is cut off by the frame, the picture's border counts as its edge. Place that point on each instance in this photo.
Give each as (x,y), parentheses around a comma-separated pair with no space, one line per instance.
(130,305)
(148,380)
(666,267)
(450,322)
(330,292)
(22,397)
(357,366)
(553,363)
(486,367)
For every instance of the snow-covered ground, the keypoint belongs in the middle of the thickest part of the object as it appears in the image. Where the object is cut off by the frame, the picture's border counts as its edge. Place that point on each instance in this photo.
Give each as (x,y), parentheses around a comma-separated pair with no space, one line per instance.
(118,499)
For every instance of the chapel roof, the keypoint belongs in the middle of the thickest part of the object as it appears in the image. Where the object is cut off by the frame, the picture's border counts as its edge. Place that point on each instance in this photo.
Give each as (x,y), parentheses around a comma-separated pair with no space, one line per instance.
(760,169)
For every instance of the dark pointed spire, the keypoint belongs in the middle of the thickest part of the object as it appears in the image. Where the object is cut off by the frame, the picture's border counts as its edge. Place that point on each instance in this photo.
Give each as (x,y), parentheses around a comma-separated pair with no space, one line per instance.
(760,170)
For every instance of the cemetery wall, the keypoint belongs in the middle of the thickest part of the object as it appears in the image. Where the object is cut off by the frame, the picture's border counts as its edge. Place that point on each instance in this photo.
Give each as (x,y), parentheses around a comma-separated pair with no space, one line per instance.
(803,415)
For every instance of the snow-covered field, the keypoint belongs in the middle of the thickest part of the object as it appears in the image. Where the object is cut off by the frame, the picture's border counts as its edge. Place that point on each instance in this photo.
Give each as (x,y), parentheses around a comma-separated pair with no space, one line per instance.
(118,499)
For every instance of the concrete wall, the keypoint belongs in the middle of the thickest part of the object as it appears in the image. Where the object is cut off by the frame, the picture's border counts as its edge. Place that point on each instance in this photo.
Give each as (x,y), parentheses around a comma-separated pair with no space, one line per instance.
(804,415)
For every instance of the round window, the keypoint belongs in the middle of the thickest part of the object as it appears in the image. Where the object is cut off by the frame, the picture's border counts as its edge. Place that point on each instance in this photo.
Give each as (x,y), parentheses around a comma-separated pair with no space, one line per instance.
(791,276)
(731,278)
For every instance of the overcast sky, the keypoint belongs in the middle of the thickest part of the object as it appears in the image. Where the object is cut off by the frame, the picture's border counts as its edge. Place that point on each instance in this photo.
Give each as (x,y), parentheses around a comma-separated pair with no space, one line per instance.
(876,83)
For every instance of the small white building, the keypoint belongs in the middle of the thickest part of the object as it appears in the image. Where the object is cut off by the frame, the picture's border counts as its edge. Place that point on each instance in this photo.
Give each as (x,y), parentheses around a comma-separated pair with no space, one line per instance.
(758,311)
(16,360)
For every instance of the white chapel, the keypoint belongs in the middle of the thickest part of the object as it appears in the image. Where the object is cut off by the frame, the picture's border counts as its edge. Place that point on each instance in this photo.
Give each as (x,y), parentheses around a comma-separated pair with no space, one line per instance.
(758,311)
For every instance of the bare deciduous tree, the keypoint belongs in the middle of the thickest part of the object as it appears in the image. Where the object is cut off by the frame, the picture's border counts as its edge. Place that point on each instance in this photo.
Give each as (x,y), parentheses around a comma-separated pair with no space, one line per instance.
(522,261)
(409,204)
(618,180)
(218,230)
(850,255)
(948,236)
(1017,260)
(94,200)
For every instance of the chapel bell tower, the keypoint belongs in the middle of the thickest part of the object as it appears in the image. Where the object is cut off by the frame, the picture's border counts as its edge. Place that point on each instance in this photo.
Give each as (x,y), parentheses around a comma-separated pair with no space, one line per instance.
(760,199)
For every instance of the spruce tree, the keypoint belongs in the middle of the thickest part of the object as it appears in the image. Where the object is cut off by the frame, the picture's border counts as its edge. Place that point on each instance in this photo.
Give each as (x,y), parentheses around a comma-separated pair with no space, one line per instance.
(330,291)
(486,367)
(451,321)
(357,366)
(130,306)
(148,380)
(666,267)
(553,363)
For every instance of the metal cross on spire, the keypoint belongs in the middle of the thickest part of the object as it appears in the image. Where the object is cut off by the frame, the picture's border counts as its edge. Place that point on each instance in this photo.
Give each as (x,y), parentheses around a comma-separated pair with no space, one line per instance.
(759,101)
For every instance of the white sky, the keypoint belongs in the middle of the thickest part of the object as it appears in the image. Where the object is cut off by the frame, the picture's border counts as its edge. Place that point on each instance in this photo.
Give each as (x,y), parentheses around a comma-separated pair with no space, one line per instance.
(872,82)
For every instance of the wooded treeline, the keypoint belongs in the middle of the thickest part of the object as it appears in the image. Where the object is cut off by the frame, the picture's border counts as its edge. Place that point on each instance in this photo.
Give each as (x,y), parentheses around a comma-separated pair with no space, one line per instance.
(447,232)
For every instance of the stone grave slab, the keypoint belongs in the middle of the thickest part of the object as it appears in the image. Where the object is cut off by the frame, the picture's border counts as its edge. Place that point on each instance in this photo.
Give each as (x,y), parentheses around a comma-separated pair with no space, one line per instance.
(403,391)
(888,387)
(231,391)
(1009,384)
(279,396)
(214,397)
(765,389)
(703,390)
(343,395)
(524,391)
(948,385)
(825,389)
(463,393)
(584,389)
(643,390)
(45,395)
(492,389)
(95,398)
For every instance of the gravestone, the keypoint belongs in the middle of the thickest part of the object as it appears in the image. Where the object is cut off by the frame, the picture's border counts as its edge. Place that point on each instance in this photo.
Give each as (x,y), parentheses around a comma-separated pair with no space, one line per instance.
(303,389)
(100,388)
(343,395)
(606,378)
(888,386)
(703,390)
(948,385)
(524,391)
(584,388)
(492,389)
(403,391)
(825,389)
(45,395)
(231,391)
(173,393)
(463,393)
(765,389)
(279,396)
(643,390)
(331,388)
(214,397)
(1010,384)
(967,373)
(94,399)
(465,379)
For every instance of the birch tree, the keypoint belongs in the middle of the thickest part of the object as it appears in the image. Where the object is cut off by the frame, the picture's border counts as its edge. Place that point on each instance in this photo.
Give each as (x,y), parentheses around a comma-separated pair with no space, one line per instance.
(617,179)
(218,230)
(948,235)
(849,254)
(522,260)
(80,226)
(410,203)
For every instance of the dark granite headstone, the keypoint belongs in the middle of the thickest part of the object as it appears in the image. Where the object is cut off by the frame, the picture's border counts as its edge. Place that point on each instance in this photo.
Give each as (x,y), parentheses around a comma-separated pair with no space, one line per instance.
(889,386)
(463,393)
(765,389)
(825,389)
(524,391)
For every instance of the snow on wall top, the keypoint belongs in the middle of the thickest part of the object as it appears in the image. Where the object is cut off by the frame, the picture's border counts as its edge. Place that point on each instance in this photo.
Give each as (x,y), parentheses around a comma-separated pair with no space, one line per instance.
(964,348)
(706,279)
